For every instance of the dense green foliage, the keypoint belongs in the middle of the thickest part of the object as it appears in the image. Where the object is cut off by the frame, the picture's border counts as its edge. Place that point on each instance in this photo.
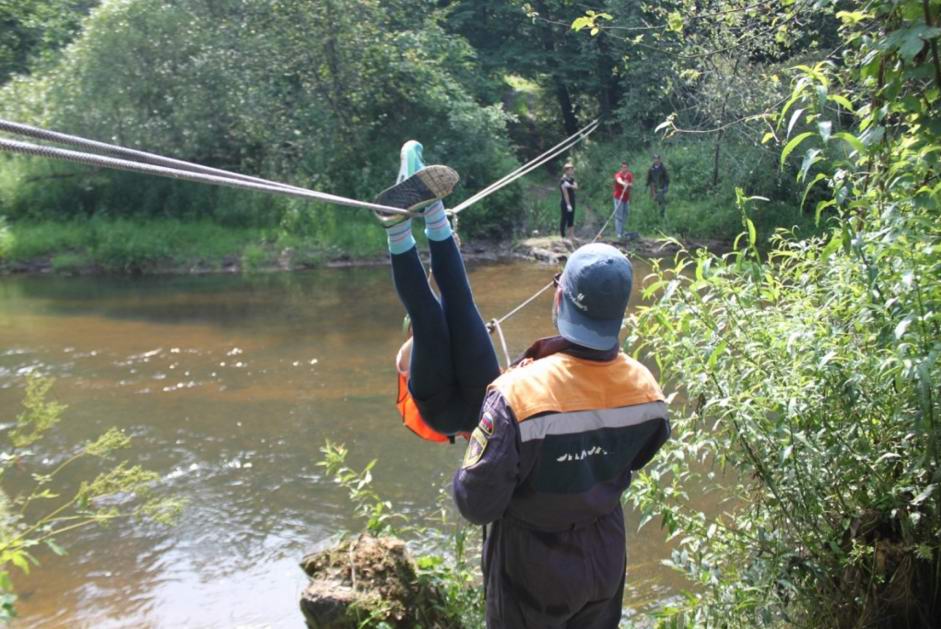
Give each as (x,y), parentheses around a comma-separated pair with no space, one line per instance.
(319,94)
(44,508)
(322,94)
(32,31)
(812,373)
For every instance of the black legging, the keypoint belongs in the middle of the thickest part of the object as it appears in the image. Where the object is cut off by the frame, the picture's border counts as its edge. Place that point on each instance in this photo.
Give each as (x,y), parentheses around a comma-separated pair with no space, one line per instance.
(453,359)
(567,219)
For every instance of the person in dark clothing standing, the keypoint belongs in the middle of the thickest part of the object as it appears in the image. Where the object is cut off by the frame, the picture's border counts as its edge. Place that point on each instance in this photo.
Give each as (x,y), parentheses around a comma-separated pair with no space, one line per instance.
(568,186)
(559,436)
(658,181)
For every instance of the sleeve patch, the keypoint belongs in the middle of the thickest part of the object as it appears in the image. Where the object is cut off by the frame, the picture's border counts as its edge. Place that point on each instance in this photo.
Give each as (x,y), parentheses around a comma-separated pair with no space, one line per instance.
(486,424)
(475,448)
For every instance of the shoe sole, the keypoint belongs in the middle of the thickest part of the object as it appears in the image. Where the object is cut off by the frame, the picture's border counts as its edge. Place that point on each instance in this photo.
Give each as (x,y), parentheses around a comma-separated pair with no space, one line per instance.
(426,186)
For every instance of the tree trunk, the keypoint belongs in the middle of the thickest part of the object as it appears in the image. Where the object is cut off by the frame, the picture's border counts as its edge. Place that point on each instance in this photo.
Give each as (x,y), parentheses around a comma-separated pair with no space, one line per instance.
(561,90)
(565,105)
(715,160)
(610,95)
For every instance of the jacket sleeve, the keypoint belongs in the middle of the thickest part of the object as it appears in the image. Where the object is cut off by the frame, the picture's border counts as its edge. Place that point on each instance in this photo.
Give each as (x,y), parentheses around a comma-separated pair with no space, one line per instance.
(654,442)
(489,474)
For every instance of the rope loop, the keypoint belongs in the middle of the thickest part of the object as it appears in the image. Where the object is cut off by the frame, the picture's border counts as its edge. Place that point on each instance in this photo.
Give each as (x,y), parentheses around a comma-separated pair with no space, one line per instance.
(494,325)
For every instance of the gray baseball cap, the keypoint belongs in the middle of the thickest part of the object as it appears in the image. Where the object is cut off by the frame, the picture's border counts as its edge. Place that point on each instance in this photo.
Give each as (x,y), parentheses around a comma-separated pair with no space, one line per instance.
(596,286)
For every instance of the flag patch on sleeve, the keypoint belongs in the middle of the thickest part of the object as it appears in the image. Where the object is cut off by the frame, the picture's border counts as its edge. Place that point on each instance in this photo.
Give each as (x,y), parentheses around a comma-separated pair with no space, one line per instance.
(475,448)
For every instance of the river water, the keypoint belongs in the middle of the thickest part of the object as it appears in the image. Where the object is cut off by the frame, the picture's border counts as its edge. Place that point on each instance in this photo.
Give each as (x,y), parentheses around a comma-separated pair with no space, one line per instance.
(229,386)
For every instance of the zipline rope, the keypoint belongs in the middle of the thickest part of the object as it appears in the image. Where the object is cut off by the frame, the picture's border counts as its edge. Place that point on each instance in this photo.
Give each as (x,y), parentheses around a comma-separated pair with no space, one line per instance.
(529,166)
(89,159)
(114,150)
(153,164)
(494,324)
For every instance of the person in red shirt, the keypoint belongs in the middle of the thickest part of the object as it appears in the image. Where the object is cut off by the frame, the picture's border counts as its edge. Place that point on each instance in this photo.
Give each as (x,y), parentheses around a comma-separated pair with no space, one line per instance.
(623,182)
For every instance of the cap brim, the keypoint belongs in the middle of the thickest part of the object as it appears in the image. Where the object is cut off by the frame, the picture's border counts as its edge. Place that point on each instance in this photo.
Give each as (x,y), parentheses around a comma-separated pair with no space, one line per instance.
(581,330)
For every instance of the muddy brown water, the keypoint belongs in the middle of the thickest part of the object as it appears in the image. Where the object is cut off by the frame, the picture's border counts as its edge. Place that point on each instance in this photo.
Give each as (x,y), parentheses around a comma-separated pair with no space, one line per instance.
(229,386)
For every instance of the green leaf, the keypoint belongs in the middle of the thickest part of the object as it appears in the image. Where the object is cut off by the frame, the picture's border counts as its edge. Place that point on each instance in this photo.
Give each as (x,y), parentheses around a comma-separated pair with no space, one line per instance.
(55,547)
(793,144)
(852,140)
(825,127)
(817,179)
(911,40)
(583,22)
(924,495)
(794,118)
(752,232)
(675,22)
(821,206)
(852,18)
(810,158)
(842,101)
(902,327)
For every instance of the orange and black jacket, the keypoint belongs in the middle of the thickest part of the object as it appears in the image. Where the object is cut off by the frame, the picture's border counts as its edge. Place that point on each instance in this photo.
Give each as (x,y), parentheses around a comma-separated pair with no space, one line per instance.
(559,437)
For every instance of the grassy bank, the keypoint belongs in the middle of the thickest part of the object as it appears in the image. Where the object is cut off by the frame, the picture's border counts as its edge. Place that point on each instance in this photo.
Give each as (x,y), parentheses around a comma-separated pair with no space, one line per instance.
(150,245)
(697,207)
(242,232)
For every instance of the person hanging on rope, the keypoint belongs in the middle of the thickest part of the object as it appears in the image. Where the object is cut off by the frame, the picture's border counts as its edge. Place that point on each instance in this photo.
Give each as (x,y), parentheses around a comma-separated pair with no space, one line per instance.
(445,367)
(559,436)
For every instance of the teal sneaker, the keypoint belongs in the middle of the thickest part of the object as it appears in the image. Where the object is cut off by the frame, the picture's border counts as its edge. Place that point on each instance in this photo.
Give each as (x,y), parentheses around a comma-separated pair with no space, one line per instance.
(428,185)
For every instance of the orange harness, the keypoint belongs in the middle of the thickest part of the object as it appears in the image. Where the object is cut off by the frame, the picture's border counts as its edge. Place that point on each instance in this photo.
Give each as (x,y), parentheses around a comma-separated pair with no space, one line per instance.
(411,416)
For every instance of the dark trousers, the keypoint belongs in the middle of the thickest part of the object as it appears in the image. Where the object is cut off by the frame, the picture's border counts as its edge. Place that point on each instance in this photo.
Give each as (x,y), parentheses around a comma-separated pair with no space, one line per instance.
(567,580)
(567,220)
(453,359)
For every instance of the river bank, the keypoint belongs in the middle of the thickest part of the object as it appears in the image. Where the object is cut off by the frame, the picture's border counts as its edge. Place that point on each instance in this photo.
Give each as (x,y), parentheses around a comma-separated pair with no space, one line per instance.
(180,248)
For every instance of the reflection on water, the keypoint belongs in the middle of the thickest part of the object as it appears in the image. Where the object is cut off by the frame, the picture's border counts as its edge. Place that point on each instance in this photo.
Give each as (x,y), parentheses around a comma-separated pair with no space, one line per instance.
(229,386)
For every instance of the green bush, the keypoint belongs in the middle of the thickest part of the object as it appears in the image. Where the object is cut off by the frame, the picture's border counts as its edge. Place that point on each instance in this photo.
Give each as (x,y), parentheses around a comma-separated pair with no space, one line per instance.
(68,262)
(446,567)
(254,257)
(195,82)
(811,373)
(43,512)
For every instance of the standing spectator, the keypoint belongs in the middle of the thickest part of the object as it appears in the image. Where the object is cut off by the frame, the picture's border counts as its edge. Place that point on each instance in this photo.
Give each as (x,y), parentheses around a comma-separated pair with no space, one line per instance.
(623,182)
(568,186)
(658,181)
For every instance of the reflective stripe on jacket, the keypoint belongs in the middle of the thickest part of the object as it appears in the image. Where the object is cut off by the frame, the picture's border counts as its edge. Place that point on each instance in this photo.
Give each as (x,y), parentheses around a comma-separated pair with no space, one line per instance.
(555,448)
(584,426)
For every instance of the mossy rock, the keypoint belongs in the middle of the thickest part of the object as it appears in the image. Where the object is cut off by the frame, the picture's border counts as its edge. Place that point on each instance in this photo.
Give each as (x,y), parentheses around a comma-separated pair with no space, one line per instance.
(373,580)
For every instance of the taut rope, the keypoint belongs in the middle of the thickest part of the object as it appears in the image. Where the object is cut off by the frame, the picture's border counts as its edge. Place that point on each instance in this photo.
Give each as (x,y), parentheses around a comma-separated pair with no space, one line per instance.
(89,159)
(114,150)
